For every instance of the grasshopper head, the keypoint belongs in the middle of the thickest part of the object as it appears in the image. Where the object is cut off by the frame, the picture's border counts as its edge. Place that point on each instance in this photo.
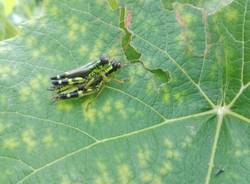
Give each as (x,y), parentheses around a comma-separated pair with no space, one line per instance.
(104,59)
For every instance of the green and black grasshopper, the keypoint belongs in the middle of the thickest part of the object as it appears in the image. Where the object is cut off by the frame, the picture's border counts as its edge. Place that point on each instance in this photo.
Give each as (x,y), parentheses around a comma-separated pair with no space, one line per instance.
(85,80)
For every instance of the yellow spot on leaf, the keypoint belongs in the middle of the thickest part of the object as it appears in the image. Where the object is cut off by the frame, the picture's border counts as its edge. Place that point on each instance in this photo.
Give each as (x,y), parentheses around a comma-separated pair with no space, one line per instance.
(106,107)
(100,115)
(65,180)
(35,84)
(48,140)
(166,168)
(82,49)
(90,114)
(143,157)
(232,15)
(64,106)
(166,98)
(71,21)
(28,139)
(7,71)
(36,53)
(72,35)
(43,49)
(98,44)
(178,97)
(124,173)
(187,142)
(31,41)
(150,87)
(113,52)
(10,143)
(53,10)
(73,28)
(94,54)
(146,176)
(173,154)
(24,93)
(119,105)
(103,175)
(157,180)
(168,143)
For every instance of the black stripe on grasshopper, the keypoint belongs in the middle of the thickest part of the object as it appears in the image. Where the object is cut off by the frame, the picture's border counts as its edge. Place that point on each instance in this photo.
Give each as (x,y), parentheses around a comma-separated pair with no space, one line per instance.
(76,93)
(83,71)
(92,85)
(66,81)
(64,84)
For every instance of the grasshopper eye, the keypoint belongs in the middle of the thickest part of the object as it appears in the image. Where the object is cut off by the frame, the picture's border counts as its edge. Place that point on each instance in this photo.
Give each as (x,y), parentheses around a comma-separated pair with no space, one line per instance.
(104,59)
(116,65)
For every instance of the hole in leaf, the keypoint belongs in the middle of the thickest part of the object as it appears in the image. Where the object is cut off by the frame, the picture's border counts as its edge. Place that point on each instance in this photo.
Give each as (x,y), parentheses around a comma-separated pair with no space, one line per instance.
(125,20)
(161,76)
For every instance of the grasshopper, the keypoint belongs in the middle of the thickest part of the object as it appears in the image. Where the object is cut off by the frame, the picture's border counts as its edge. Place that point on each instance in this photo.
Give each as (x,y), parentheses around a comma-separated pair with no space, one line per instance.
(84,80)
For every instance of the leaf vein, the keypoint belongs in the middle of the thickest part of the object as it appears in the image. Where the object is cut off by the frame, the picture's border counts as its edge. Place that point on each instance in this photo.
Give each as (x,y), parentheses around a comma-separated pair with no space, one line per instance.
(243,43)
(180,68)
(53,122)
(126,135)
(239,116)
(214,148)
(18,160)
(139,100)
(94,16)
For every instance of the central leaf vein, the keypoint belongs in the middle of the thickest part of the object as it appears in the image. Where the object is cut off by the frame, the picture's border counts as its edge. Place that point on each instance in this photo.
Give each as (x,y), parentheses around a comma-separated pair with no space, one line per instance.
(105,140)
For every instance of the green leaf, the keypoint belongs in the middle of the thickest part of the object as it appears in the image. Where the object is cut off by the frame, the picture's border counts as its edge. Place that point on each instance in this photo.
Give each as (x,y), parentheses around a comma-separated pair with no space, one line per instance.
(8,6)
(186,128)
(7,29)
(211,6)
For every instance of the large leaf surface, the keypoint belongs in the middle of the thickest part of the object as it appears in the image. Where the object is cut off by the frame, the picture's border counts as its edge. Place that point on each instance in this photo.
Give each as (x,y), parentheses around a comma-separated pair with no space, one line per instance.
(185,131)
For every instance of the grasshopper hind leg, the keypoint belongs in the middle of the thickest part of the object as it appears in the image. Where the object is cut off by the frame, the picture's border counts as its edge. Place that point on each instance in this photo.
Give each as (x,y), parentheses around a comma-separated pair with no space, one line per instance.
(65,84)
(73,94)
(80,92)
(64,96)
(98,89)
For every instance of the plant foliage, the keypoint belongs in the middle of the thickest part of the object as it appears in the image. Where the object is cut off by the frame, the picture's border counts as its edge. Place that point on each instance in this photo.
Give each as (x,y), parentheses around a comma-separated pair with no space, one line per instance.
(185,128)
